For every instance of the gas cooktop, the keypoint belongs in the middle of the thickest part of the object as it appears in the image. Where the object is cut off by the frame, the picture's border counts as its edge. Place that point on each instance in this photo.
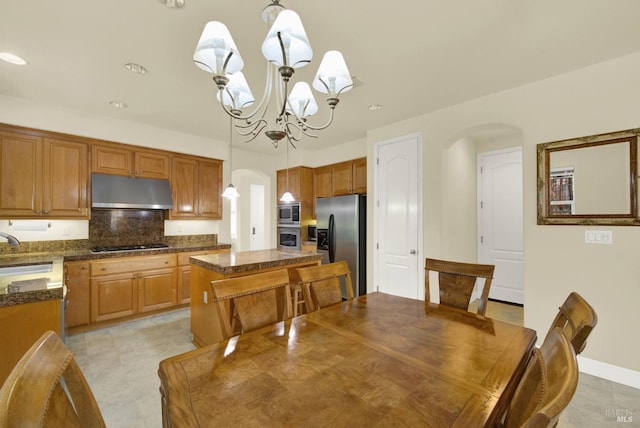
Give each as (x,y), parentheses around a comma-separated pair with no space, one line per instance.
(127,248)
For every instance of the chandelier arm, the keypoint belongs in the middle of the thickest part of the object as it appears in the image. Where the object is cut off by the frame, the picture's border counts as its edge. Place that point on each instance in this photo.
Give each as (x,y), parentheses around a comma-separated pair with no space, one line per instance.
(321,127)
(262,105)
(301,130)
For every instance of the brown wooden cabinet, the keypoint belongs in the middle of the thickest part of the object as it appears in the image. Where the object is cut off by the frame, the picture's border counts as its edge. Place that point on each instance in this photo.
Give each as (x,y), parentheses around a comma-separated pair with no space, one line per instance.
(349,177)
(125,286)
(42,177)
(118,159)
(196,184)
(76,278)
(300,183)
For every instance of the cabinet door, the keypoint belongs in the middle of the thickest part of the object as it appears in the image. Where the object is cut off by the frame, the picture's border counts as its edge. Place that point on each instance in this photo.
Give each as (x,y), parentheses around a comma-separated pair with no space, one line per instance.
(322,182)
(111,160)
(113,296)
(341,176)
(360,175)
(184,284)
(151,164)
(20,175)
(184,187)
(156,289)
(65,179)
(210,189)
(78,292)
(292,184)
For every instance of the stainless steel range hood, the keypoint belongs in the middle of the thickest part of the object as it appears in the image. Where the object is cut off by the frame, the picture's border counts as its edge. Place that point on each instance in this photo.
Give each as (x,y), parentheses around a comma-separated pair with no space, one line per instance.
(115,191)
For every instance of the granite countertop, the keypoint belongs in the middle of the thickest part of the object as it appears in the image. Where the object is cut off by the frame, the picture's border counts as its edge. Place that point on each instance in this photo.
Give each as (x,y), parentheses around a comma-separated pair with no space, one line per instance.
(245,261)
(34,286)
(54,288)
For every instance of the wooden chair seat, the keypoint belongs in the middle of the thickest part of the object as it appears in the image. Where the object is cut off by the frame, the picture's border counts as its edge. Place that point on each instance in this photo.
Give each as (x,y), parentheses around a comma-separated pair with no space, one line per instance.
(547,386)
(47,389)
(456,282)
(576,318)
(250,302)
(322,285)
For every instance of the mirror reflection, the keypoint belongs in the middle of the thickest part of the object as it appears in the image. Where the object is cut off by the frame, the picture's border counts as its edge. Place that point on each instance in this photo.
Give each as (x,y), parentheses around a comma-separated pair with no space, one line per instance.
(590,180)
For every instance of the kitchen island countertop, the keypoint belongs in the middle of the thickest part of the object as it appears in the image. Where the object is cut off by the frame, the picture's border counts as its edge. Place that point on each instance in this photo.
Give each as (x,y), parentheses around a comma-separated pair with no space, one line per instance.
(250,261)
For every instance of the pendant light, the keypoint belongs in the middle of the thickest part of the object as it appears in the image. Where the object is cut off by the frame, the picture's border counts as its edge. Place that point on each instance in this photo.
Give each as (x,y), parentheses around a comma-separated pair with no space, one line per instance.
(287,196)
(230,192)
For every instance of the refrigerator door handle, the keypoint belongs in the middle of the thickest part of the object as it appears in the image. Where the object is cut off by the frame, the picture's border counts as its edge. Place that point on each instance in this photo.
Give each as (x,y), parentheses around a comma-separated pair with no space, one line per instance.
(332,239)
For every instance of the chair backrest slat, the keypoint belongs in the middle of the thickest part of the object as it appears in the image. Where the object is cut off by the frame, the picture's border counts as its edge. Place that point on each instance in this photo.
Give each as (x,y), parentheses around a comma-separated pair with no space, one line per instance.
(33,394)
(254,300)
(456,282)
(576,318)
(322,284)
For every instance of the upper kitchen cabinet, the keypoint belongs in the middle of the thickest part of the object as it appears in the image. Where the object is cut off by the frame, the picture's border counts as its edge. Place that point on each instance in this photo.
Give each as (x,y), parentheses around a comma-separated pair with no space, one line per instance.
(322,182)
(42,177)
(349,177)
(300,183)
(196,185)
(119,159)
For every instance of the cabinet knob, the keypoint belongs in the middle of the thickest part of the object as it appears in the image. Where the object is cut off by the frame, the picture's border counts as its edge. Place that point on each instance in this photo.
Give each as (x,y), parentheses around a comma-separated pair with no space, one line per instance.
(37,211)
(46,211)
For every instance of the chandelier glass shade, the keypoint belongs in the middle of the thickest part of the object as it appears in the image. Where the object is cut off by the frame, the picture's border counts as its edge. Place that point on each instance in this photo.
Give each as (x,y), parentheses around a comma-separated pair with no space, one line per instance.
(285,47)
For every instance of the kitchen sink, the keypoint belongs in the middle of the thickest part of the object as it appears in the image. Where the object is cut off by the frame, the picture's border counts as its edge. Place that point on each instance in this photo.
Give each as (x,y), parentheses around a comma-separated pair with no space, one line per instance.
(25,269)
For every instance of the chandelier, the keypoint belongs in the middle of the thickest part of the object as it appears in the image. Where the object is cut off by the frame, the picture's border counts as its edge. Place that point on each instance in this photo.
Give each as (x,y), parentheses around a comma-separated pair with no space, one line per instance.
(286,47)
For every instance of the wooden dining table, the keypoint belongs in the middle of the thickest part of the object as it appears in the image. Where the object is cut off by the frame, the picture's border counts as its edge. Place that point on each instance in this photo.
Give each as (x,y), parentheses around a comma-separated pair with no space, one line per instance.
(378,360)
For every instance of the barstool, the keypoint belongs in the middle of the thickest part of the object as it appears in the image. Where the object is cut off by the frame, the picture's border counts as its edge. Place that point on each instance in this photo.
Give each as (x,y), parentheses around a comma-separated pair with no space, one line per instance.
(298,299)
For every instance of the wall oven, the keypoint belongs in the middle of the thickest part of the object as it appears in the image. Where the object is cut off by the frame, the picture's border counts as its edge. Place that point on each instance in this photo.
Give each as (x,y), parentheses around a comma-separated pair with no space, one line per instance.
(289,215)
(289,238)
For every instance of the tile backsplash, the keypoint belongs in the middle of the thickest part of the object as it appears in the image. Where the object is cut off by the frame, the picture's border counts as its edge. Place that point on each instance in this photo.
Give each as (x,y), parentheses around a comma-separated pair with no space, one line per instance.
(126,227)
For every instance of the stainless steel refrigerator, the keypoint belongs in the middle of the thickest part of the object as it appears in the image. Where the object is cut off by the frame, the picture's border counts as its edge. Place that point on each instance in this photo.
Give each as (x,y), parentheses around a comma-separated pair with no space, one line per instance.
(341,235)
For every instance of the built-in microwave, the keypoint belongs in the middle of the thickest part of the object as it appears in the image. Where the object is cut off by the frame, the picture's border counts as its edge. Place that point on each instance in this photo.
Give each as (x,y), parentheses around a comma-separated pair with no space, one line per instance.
(289,238)
(289,214)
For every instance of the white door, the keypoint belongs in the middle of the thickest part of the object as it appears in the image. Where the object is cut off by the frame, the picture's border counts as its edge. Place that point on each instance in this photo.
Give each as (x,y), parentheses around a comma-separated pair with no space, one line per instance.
(256,231)
(500,222)
(398,210)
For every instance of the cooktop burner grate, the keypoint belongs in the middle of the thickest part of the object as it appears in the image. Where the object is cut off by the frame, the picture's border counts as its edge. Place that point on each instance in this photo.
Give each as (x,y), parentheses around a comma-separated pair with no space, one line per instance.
(127,247)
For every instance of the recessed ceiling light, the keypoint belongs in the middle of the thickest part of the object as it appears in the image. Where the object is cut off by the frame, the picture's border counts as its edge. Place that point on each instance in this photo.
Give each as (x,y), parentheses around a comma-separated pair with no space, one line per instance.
(11,58)
(117,104)
(374,107)
(135,68)
(174,4)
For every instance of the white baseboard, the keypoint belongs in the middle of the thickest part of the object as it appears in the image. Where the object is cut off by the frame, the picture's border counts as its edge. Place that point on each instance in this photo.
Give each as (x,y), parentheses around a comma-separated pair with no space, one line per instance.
(610,372)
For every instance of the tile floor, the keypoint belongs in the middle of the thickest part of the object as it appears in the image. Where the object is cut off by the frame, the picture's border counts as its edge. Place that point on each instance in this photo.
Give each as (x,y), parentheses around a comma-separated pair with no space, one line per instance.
(121,363)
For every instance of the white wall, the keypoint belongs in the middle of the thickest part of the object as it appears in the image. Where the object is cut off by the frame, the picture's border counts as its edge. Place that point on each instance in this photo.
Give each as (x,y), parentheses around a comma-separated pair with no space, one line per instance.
(597,99)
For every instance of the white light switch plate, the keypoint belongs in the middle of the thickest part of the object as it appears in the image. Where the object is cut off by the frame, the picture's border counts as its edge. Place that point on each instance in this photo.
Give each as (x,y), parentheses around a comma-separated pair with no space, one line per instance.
(598,237)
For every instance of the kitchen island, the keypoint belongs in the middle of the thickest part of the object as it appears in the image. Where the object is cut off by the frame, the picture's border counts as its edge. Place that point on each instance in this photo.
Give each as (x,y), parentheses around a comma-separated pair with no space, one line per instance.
(205,325)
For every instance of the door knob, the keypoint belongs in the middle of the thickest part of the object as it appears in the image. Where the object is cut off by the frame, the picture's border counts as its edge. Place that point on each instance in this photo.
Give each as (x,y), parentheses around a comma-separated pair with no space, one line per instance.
(413,252)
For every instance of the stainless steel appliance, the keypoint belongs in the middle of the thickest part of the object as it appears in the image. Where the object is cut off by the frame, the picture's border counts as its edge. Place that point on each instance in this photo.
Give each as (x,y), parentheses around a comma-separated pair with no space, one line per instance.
(127,248)
(289,238)
(115,191)
(312,232)
(341,235)
(289,214)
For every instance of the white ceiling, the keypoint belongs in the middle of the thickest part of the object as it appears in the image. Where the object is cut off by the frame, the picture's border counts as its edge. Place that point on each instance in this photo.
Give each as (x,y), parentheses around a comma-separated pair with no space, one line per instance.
(412,56)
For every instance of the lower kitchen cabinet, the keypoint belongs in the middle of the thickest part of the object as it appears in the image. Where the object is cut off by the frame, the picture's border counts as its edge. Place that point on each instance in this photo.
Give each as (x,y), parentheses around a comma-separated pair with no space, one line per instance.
(76,278)
(156,289)
(123,287)
(113,296)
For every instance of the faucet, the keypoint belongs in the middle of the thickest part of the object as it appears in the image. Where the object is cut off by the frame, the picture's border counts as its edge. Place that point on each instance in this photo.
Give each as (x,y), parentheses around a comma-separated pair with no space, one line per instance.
(13,241)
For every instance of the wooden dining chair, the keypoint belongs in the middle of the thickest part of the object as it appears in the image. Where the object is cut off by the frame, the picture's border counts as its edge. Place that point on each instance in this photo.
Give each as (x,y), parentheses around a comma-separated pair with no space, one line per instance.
(547,386)
(456,282)
(249,302)
(322,285)
(576,318)
(46,388)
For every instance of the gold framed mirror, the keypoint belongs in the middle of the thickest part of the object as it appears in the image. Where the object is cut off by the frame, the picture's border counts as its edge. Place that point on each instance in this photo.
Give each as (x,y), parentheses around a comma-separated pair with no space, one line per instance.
(589,180)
